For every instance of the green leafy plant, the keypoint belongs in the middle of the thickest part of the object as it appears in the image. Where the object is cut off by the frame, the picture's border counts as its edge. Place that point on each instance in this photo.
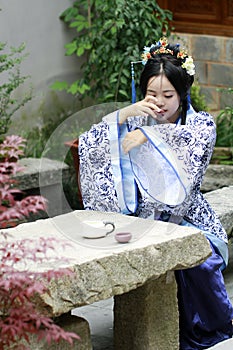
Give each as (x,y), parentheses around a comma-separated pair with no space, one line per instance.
(110,34)
(197,98)
(224,126)
(37,139)
(11,79)
(224,123)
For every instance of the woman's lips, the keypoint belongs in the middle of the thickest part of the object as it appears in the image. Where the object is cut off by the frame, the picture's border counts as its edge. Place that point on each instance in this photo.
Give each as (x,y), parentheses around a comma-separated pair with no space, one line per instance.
(161,116)
(161,112)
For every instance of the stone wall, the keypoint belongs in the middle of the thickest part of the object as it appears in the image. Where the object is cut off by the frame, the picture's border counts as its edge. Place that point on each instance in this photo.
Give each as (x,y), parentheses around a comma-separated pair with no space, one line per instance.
(214,66)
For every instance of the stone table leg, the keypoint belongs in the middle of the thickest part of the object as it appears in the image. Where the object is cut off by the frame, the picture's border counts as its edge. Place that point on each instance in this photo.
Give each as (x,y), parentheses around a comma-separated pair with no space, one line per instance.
(147,318)
(69,323)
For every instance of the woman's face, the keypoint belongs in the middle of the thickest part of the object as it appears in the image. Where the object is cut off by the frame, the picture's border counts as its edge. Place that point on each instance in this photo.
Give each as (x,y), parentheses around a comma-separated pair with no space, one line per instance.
(167,99)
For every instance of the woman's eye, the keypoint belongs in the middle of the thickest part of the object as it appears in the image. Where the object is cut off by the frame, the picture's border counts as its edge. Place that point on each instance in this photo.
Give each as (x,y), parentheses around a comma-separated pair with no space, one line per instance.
(169,96)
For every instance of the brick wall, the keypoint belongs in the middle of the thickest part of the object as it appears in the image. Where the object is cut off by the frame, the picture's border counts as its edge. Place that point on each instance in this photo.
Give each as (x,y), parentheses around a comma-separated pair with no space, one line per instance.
(213,57)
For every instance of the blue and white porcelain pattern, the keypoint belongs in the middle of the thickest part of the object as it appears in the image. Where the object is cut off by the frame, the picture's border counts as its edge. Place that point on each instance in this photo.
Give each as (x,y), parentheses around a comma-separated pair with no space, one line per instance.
(192,146)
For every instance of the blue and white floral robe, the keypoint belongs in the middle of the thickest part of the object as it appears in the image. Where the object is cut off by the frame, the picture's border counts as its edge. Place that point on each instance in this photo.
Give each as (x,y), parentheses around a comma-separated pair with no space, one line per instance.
(161,179)
(176,157)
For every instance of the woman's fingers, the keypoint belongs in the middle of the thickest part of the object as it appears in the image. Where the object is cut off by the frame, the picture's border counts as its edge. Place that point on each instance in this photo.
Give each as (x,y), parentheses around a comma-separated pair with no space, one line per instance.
(149,107)
(144,107)
(133,139)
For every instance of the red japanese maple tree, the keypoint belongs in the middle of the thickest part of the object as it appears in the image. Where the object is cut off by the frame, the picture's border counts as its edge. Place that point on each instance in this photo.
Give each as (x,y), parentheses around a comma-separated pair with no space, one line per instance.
(14,210)
(19,284)
(18,288)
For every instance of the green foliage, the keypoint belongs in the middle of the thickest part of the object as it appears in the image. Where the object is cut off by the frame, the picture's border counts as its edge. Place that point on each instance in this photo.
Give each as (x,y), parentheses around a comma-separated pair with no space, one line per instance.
(197,98)
(37,138)
(111,34)
(224,123)
(11,79)
(37,146)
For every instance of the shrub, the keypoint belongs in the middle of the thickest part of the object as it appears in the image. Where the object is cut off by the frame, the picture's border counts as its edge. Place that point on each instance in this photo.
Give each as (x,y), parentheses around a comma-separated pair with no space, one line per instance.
(14,210)
(11,79)
(197,98)
(110,35)
(18,287)
(224,123)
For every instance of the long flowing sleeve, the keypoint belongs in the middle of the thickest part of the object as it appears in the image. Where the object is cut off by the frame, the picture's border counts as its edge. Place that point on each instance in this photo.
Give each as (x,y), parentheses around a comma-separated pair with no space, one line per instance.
(188,147)
(96,176)
(162,175)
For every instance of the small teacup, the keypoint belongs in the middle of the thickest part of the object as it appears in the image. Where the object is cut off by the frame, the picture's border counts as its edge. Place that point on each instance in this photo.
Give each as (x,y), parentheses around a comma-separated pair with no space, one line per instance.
(123,237)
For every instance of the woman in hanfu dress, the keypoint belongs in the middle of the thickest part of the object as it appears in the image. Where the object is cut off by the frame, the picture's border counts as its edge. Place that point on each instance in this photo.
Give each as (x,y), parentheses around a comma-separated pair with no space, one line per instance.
(148,159)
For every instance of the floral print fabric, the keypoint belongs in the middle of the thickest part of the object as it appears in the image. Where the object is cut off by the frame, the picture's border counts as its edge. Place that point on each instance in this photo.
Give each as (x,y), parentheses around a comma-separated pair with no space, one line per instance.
(192,145)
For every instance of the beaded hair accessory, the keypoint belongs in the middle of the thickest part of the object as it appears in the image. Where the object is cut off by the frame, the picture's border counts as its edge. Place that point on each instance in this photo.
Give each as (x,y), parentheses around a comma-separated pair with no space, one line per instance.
(162,47)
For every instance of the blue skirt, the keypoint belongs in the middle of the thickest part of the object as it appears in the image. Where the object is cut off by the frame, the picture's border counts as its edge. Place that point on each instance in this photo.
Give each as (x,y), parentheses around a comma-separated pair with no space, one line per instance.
(205,310)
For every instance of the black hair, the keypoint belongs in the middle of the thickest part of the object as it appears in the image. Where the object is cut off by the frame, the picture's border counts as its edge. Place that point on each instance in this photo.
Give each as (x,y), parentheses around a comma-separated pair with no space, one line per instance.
(170,66)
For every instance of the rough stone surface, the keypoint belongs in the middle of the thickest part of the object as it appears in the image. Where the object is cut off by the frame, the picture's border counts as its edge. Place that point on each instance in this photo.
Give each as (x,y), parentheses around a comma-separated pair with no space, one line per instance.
(137,273)
(221,201)
(41,172)
(214,66)
(121,272)
(219,74)
(138,313)
(217,176)
(45,177)
(213,43)
(104,271)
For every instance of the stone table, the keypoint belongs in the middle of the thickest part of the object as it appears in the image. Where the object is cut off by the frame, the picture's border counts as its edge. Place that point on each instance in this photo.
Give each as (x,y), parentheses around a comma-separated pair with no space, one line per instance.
(139,274)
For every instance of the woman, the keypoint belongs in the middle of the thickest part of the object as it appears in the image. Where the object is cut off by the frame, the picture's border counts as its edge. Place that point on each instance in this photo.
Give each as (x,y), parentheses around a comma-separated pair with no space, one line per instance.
(148,159)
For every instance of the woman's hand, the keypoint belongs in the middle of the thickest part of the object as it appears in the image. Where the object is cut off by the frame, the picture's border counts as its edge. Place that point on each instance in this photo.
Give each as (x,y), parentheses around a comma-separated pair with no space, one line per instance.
(133,139)
(143,108)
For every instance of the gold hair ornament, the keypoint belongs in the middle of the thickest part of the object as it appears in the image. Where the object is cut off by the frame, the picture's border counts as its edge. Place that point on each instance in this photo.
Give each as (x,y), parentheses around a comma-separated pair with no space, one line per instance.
(162,47)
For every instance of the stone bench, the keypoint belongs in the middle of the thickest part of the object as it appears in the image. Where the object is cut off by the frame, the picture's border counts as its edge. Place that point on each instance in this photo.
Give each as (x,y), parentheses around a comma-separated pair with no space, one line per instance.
(217,176)
(225,345)
(139,275)
(43,176)
(221,201)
